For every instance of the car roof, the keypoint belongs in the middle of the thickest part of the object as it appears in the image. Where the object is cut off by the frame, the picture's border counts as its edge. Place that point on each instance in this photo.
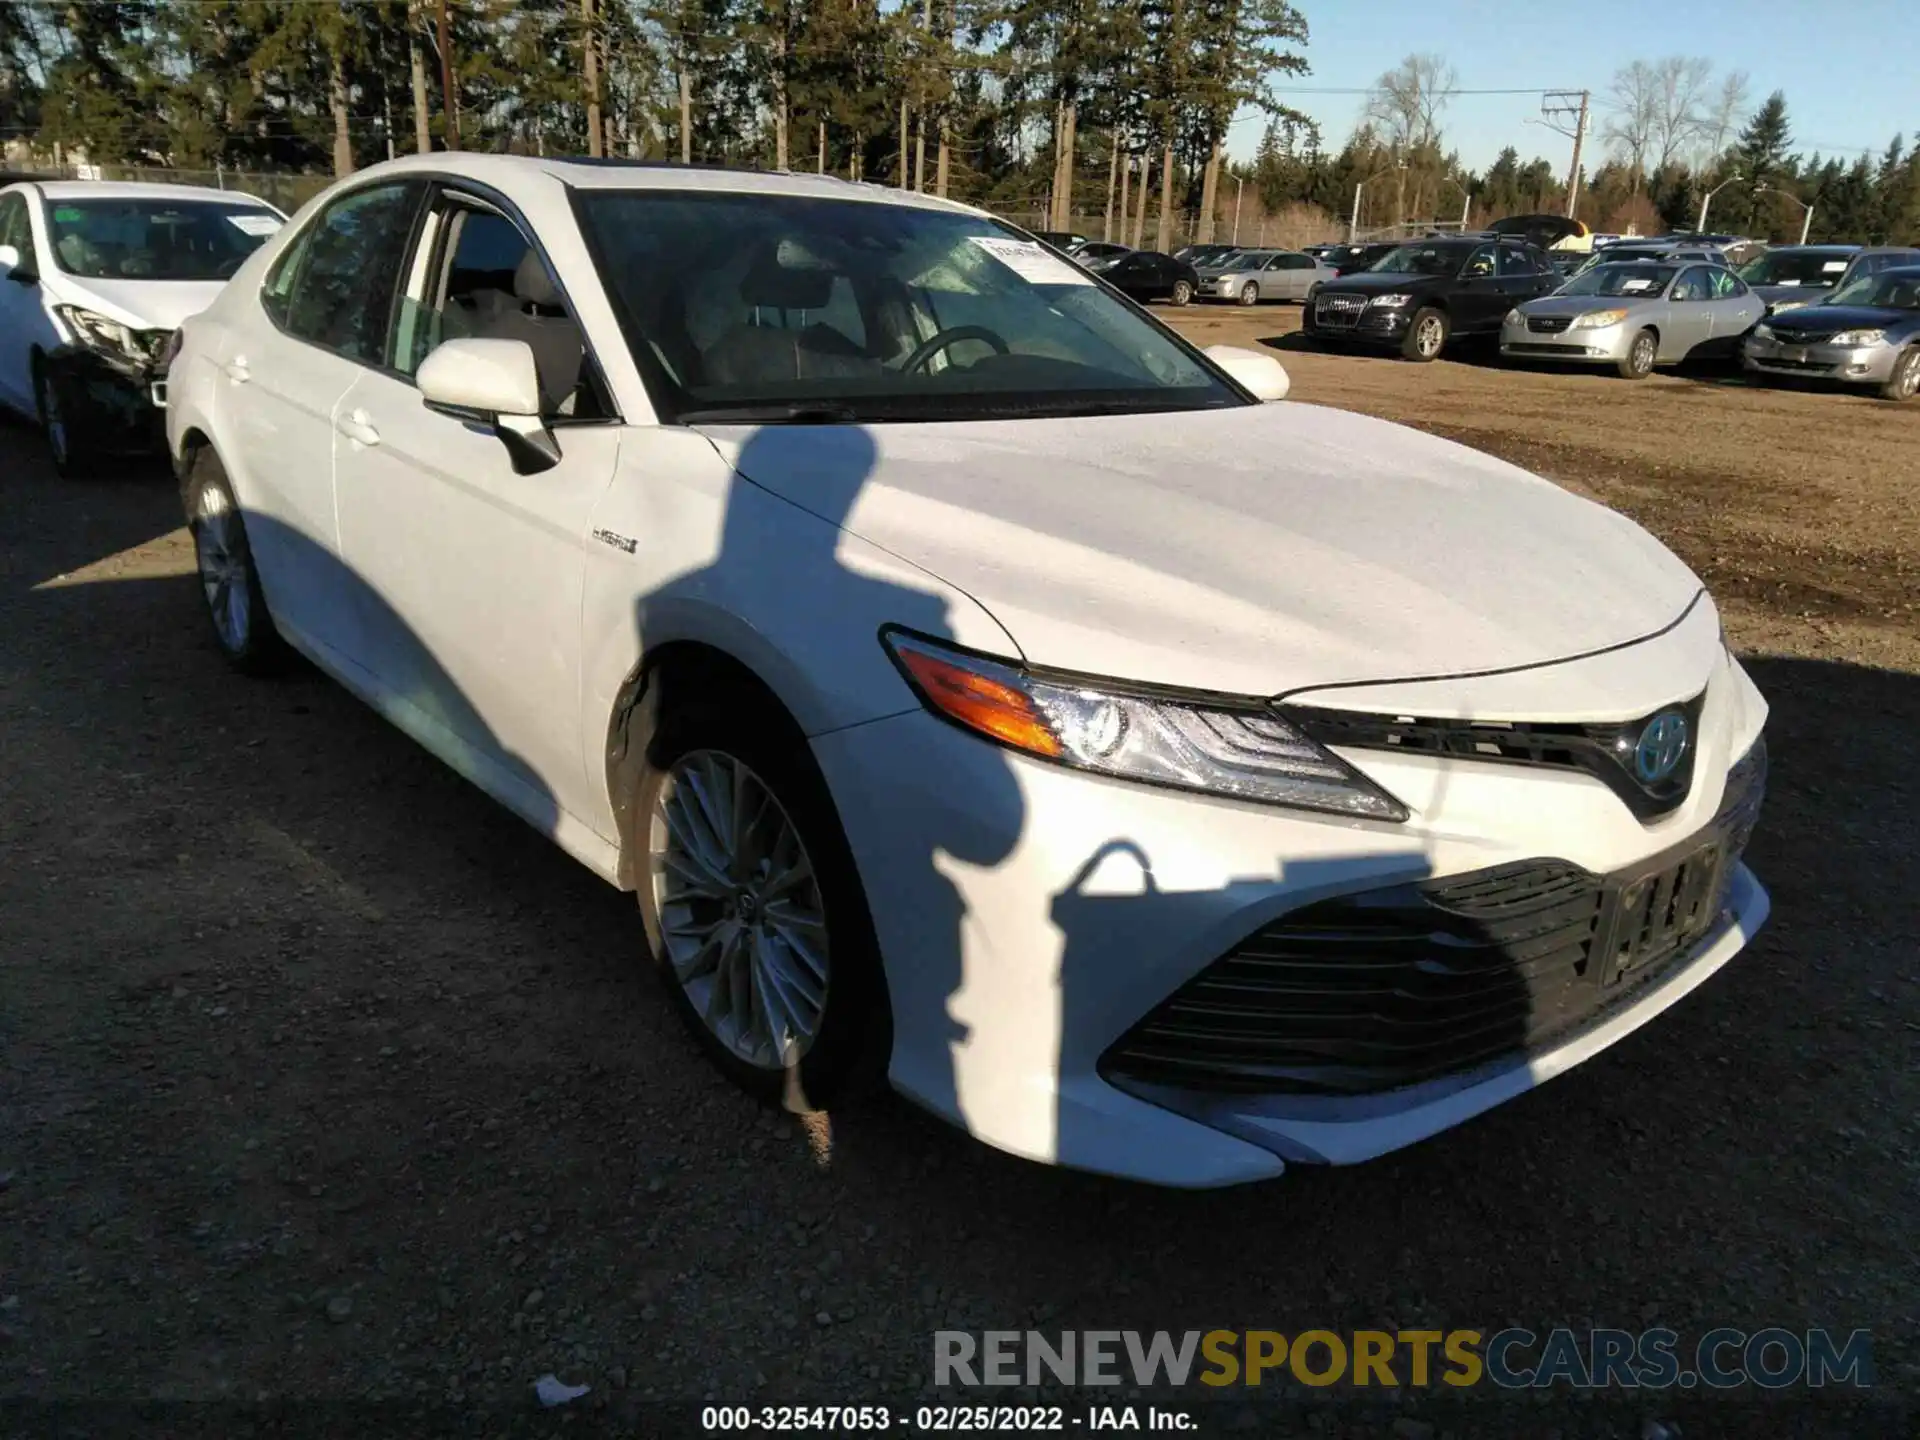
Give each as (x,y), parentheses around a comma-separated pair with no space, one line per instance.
(584,173)
(128,190)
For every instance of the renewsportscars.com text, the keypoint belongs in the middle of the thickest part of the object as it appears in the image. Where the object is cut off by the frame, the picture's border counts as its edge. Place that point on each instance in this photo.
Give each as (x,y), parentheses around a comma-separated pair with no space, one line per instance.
(1772,1358)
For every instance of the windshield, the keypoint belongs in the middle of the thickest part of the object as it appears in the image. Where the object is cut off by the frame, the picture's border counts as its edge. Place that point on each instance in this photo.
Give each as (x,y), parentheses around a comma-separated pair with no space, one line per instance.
(1796,267)
(156,239)
(1422,260)
(1618,279)
(1898,290)
(766,308)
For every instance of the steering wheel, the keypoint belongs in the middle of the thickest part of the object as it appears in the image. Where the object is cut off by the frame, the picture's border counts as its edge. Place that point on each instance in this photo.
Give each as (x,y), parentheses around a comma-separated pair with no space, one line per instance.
(952,335)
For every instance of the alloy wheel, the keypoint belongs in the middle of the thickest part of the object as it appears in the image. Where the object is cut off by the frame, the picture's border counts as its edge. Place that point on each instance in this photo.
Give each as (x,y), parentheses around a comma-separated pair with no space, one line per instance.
(1642,354)
(1429,336)
(741,916)
(1906,380)
(225,572)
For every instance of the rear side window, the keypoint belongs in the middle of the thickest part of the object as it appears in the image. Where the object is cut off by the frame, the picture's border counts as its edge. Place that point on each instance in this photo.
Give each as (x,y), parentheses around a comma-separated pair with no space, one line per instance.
(338,292)
(1516,261)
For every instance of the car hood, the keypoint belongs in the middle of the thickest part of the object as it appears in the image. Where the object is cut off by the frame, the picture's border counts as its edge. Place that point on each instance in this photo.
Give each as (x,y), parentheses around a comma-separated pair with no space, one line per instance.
(1380,282)
(143,304)
(1248,551)
(1806,294)
(1583,304)
(1819,319)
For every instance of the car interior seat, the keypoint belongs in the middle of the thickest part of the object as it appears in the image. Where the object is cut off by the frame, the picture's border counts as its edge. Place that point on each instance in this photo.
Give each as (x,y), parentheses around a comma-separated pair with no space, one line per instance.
(773,341)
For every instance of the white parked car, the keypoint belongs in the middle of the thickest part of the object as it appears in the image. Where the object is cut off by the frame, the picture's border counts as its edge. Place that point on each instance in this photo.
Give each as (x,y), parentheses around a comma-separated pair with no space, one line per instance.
(970,676)
(94,278)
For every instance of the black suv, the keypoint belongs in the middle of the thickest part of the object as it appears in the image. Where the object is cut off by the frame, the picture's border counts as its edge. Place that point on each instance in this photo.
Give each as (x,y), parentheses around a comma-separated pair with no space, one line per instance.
(1427,291)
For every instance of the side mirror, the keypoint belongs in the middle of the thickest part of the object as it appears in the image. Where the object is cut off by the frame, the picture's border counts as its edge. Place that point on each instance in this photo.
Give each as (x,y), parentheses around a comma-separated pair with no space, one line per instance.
(1262,376)
(493,383)
(17,270)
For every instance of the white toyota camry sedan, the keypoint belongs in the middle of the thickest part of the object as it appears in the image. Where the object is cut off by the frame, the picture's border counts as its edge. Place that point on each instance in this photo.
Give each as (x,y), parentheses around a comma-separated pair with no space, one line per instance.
(977,683)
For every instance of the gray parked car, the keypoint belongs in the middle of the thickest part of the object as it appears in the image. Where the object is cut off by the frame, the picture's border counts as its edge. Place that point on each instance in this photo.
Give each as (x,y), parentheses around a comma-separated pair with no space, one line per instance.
(1866,333)
(1789,276)
(1633,316)
(1256,275)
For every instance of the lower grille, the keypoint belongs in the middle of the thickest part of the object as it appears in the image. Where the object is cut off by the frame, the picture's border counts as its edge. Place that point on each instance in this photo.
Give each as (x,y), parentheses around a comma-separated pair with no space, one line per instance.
(1548,324)
(1781,362)
(1392,987)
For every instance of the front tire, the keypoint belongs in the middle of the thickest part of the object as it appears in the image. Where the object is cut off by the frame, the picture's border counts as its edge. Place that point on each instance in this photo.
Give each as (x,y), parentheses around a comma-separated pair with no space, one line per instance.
(1250,293)
(1426,336)
(1182,293)
(69,455)
(1638,362)
(229,580)
(1904,383)
(753,909)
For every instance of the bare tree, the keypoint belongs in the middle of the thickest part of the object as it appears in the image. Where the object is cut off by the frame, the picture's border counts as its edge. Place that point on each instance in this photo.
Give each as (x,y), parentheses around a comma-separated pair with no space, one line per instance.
(1681,93)
(1633,109)
(1404,109)
(1723,116)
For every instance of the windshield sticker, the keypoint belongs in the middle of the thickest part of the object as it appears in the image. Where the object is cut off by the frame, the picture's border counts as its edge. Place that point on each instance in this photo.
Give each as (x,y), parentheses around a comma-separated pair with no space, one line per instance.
(1031,262)
(1832,266)
(1635,287)
(1786,282)
(69,214)
(259,222)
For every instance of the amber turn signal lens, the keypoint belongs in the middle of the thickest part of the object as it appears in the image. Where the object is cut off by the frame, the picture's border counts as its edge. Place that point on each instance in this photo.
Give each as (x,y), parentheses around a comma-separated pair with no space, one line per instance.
(981,704)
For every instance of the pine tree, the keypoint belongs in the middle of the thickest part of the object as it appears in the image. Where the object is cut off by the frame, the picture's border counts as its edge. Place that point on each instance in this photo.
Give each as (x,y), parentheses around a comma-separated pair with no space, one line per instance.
(1760,159)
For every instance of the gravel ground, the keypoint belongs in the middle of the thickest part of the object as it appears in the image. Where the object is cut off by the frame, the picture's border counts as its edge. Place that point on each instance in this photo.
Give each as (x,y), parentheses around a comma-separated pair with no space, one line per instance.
(326,1084)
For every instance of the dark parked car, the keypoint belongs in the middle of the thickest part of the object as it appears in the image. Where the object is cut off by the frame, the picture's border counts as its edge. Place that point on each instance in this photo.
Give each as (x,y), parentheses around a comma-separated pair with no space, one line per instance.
(1866,333)
(1349,259)
(1789,276)
(1201,256)
(1098,254)
(1148,275)
(1067,240)
(1427,292)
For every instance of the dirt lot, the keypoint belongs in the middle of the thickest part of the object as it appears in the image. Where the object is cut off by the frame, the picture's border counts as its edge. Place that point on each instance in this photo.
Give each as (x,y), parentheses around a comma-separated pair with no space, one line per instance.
(323,1080)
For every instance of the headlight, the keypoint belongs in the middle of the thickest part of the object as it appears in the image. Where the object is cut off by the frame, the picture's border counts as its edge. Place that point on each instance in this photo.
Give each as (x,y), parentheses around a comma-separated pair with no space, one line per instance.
(1391,301)
(1858,337)
(1111,728)
(97,332)
(1514,317)
(1598,319)
(1763,331)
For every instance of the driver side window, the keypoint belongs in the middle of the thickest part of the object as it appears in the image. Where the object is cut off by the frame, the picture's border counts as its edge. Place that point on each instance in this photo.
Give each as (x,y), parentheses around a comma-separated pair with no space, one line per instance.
(1481,263)
(15,228)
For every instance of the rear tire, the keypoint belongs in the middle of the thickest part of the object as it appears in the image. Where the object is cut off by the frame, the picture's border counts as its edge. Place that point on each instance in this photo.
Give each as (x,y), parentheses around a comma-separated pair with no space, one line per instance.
(1426,336)
(1250,293)
(1640,356)
(721,913)
(70,458)
(1904,383)
(229,580)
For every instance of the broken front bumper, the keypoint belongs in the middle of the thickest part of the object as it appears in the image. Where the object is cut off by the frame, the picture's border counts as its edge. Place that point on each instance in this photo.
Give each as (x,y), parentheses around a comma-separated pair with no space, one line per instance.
(113,404)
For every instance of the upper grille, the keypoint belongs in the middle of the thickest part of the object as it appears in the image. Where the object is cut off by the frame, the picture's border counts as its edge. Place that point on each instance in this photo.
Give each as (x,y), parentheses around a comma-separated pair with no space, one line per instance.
(1603,751)
(1395,986)
(1548,324)
(1338,310)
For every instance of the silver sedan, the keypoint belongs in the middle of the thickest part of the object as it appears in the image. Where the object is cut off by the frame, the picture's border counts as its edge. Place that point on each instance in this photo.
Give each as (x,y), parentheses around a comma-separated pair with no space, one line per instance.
(1634,316)
(1255,275)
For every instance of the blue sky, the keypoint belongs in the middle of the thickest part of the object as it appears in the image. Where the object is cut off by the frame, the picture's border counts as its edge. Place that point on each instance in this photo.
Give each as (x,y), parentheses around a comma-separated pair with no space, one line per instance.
(1848,67)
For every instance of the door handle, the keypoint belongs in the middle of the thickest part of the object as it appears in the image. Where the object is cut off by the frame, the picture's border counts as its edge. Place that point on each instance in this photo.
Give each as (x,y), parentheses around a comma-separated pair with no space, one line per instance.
(237,370)
(357,426)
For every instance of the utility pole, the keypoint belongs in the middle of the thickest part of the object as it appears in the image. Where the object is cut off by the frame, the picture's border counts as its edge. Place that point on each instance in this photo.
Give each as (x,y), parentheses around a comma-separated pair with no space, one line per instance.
(686,114)
(593,78)
(1557,107)
(1239,189)
(446,82)
(823,148)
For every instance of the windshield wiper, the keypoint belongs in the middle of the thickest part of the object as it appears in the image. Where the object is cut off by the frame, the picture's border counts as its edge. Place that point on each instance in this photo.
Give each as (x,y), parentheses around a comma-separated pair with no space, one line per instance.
(800,412)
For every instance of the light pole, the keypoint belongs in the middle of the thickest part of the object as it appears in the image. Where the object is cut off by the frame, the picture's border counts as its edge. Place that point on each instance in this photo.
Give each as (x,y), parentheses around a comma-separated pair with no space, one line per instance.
(1353,223)
(1466,197)
(1701,228)
(1806,220)
(1239,187)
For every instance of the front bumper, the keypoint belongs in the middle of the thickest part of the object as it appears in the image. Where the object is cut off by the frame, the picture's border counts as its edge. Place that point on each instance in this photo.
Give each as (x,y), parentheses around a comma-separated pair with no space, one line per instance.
(1852,364)
(1606,345)
(1031,916)
(109,400)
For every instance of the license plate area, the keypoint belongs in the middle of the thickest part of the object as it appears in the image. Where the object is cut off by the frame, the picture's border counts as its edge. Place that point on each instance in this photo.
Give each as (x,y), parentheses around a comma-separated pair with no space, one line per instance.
(1647,919)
